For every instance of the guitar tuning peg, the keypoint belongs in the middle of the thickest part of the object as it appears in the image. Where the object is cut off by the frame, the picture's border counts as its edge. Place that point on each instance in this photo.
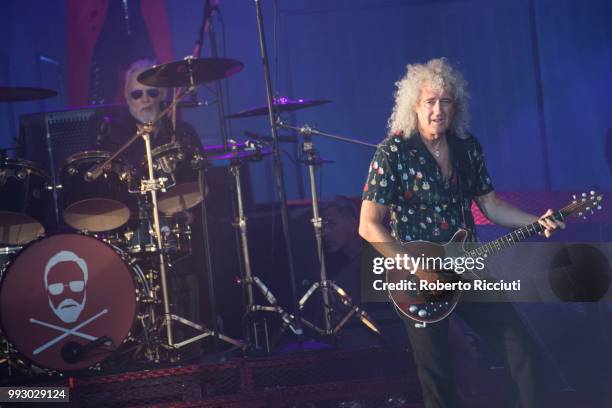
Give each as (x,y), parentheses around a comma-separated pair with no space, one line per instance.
(584,194)
(599,207)
(588,208)
(580,214)
(592,192)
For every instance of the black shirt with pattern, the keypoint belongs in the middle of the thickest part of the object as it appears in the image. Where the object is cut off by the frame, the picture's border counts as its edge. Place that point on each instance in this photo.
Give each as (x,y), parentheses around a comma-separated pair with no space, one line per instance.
(404,176)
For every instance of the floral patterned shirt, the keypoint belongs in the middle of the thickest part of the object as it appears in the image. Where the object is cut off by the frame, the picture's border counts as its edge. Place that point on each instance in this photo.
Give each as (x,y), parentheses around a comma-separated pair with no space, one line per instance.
(404,176)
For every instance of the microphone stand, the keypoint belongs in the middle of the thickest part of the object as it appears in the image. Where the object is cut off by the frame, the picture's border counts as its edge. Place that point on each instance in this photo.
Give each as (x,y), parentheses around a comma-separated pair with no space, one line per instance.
(279,175)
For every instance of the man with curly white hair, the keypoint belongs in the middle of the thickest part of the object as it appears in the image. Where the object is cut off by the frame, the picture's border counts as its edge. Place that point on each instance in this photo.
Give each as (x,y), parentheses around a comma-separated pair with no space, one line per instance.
(426,174)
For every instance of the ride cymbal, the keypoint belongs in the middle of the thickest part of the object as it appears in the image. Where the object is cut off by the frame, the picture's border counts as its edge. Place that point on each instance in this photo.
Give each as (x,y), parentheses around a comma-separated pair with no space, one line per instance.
(282,104)
(179,73)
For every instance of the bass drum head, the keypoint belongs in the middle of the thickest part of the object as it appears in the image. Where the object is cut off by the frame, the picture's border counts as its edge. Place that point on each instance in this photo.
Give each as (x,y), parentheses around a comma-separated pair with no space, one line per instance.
(63,292)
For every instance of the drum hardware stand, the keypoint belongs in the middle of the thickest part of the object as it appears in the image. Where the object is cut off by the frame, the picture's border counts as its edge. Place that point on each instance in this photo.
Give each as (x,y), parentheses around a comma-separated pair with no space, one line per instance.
(279,175)
(326,285)
(249,280)
(207,27)
(151,186)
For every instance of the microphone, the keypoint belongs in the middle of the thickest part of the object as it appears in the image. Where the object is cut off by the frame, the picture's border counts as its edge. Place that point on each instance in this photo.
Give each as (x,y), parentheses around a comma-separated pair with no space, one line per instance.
(73,352)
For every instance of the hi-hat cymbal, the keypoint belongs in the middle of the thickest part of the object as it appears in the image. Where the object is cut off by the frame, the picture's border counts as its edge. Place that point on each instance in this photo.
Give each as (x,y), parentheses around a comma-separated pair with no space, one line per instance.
(282,105)
(177,74)
(237,152)
(22,93)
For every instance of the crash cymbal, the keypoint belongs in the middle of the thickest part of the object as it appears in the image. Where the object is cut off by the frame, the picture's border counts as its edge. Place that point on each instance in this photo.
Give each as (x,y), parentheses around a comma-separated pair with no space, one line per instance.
(177,74)
(22,93)
(282,105)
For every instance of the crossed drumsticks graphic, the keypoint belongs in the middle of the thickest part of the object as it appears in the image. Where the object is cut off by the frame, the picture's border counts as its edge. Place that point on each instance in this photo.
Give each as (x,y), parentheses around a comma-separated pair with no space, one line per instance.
(67,332)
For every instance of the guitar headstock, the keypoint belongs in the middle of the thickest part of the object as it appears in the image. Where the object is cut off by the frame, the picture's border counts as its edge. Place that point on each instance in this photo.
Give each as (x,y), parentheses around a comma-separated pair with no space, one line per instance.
(585,204)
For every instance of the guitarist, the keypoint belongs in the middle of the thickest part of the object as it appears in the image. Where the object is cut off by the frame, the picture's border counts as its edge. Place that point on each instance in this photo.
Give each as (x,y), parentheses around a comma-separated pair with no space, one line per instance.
(426,174)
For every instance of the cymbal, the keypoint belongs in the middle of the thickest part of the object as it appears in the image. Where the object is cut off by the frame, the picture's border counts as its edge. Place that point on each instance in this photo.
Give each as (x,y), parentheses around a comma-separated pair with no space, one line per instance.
(242,154)
(22,93)
(282,104)
(176,74)
(237,151)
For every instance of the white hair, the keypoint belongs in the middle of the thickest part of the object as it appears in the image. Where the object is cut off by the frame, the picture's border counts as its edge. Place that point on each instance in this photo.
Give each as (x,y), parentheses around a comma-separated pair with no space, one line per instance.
(66,256)
(137,67)
(438,74)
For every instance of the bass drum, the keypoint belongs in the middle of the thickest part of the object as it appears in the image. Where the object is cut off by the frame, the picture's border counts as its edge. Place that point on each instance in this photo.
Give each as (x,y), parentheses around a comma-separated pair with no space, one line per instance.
(25,200)
(69,301)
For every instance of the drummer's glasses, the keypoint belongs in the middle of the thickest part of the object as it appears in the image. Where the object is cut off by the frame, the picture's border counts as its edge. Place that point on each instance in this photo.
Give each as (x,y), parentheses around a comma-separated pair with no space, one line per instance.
(137,93)
(58,288)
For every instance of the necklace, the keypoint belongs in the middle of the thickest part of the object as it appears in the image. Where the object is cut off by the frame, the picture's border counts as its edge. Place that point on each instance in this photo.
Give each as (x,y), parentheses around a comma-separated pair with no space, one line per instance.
(436,147)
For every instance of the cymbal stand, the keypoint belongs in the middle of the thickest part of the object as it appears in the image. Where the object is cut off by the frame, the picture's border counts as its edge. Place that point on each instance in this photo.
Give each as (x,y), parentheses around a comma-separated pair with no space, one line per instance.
(326,285)
(151,185)
(249,280)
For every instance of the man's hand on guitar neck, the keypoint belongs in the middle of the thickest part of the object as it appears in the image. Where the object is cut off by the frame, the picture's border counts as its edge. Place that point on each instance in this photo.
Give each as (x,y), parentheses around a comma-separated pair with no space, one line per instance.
(502,213)
(549,223)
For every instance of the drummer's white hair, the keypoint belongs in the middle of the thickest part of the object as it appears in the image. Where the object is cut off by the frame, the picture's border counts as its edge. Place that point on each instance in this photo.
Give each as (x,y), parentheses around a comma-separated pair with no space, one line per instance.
(66,256)
(438,74)
(136,68)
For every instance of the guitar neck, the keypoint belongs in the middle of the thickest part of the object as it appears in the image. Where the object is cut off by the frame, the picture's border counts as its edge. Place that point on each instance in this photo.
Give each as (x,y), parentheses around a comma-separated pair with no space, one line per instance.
(519,234)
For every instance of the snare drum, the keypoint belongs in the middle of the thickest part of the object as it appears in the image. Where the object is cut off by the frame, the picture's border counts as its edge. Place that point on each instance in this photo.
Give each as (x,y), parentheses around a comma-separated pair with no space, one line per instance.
(98,205)
(173,161)
(24,201)
(62,293)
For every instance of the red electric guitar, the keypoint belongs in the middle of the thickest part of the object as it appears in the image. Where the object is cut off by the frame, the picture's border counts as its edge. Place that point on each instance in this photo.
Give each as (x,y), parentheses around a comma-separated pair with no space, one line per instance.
(430,307)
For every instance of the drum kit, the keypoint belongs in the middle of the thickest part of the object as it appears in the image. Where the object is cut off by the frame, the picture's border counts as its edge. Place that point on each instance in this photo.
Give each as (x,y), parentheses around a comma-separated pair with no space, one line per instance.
(110,296)
(96,290)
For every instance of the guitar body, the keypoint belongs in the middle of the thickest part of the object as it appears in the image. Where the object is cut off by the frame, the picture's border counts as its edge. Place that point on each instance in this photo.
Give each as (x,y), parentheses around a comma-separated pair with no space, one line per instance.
(430,307)
(420,306)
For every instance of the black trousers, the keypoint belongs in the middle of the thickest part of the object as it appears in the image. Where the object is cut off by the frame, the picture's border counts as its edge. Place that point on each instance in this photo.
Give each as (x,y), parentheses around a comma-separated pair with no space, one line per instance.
(501,328)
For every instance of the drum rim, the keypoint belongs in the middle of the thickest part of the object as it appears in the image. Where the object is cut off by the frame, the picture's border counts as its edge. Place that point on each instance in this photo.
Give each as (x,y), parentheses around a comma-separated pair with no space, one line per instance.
(86,154)
(166,147)
(30,165)
(131,264)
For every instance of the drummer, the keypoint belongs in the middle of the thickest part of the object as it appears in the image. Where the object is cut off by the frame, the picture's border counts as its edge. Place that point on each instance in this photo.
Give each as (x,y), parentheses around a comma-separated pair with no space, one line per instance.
(144,103)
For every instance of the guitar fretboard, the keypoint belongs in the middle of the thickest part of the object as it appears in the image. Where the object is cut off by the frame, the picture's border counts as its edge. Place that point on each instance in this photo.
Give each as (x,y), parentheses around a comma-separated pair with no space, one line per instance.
(527,231)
